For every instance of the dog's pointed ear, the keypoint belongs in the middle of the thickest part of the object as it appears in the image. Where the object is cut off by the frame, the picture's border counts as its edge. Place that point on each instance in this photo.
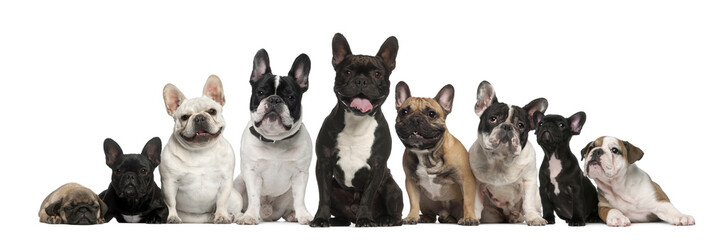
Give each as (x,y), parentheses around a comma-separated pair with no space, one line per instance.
(401,93)
(388,52)
(634,154)
(485,97)
(300,70)
(537,105)
(213,89)
(576,122)
(445,98)
(341,49)
(261,66)
(152,149)
(586,150)
(173,98)
(112,150)
(53,209)
(537,118)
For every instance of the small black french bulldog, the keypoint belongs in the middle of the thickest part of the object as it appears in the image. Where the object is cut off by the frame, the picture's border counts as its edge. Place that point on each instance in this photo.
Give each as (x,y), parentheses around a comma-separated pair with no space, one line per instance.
(354,143)
(133,196)
(563,187)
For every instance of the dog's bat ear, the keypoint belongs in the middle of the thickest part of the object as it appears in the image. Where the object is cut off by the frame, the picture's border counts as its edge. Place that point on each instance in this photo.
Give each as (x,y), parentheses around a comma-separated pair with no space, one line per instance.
(388,52)
(586,149)
(53,209)
(341,49)
(576,122)
(445,98)
(213,89)
(300,70)
(486,96)
(537,105)
(401,93)
(112,150)
(261,66)
(634,153)
(103,207)
(152,149)
(173,98)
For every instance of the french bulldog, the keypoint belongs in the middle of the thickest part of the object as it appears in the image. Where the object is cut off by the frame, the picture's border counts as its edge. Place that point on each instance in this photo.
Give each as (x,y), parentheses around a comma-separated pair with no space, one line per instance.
(133,196)
(563,187)
(197,164)
(72,204)
(503,160)
(354,143)
(438,175)
(276,147)
(626,193)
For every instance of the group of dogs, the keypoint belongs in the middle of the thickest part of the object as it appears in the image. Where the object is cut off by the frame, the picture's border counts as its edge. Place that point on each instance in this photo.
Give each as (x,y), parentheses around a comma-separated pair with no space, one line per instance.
(495,181)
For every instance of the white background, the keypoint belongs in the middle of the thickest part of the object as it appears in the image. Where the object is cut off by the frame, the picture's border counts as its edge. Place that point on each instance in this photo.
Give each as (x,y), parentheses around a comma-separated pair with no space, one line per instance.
(76,72)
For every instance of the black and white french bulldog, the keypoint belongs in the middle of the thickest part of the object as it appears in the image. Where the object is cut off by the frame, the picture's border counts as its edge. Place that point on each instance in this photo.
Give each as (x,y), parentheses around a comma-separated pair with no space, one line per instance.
(276,149)
(354,143)
(503,160)
(133,196)
(563,187)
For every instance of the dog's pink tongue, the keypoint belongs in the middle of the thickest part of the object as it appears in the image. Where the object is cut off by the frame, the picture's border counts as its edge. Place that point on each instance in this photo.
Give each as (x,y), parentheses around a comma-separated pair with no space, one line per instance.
(362,104)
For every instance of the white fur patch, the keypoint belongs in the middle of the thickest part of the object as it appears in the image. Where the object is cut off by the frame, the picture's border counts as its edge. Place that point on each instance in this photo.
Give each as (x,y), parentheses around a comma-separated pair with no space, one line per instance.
(555,169)
(355,144)
(132,218)
(426,180)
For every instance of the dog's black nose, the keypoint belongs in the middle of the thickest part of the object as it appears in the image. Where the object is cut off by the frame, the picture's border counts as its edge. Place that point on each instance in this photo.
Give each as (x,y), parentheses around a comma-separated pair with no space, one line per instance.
(200,119)
(274,100)
(507,127)
(597,153)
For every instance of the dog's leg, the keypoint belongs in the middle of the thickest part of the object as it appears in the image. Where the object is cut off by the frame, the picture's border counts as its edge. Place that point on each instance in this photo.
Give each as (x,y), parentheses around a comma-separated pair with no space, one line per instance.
(578,205)
(226,198)
(531,200)
(612,217)
(414,196)
(299,194)
(377,175)
(667,212)
(324,178)
(253,182)
(394,203)
(169,187)
(468,189)
(548,209)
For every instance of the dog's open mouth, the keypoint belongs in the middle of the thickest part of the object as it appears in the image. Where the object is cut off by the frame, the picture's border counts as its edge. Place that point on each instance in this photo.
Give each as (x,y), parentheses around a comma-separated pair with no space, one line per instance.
(202,136)
(359,103)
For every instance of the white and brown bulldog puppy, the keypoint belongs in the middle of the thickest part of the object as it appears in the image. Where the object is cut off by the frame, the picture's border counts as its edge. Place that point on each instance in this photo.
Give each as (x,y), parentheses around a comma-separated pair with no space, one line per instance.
(197,164)
(439,179)
(503,161)
(626,193)
(72,204)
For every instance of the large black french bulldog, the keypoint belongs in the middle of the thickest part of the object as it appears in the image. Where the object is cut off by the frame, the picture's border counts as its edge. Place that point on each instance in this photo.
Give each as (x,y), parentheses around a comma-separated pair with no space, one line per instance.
(354,143)
(563,187)
(133,196)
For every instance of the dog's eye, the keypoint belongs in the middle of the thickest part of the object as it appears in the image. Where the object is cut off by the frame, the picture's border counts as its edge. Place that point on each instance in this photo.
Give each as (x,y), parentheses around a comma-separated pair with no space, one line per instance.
(378,75)
(403,112)
(144,171)
(521,125)
(347,73)
(185,117)
(432,114)
(291,97)
(117,171)
(562,125)
(212,111)
(260,93)
(540,123)
(493,119)
(615,150)
(67,208)
(95,207)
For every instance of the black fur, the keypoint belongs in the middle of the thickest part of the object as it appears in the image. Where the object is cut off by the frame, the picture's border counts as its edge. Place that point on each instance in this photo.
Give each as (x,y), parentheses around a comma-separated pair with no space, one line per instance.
(289,89)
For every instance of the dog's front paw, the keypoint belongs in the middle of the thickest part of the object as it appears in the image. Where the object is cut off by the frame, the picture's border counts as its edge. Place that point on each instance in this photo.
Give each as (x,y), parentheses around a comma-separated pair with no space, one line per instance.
(248,219)
(100,221)
(576,223)
(365,222)
(389,221)
(550,220)
(320,222)
(537,221)
(469,222)
(54,220)
(174,219)
(618,221)
(304,219)
(683,220)
(410,220)
(223,218)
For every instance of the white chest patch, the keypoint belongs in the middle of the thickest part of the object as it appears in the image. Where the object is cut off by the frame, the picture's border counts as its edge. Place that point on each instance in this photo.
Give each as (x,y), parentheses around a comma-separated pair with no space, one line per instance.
(132,218)
(426,180)
(355,144)
(555,169)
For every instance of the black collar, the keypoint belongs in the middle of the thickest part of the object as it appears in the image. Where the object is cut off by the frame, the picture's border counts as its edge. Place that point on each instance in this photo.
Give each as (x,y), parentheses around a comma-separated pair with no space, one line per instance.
(263,139)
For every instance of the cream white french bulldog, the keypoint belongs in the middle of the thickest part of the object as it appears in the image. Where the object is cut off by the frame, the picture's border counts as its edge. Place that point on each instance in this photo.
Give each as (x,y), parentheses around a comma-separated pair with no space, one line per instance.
(197,164)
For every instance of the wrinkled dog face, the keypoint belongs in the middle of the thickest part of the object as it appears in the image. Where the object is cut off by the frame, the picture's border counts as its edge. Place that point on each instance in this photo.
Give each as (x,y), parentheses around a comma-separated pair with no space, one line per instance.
(198,121)
(80,207)
(504,128)
(361,81)
(421,122)
(132,175)
(276,100)
(606,157)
